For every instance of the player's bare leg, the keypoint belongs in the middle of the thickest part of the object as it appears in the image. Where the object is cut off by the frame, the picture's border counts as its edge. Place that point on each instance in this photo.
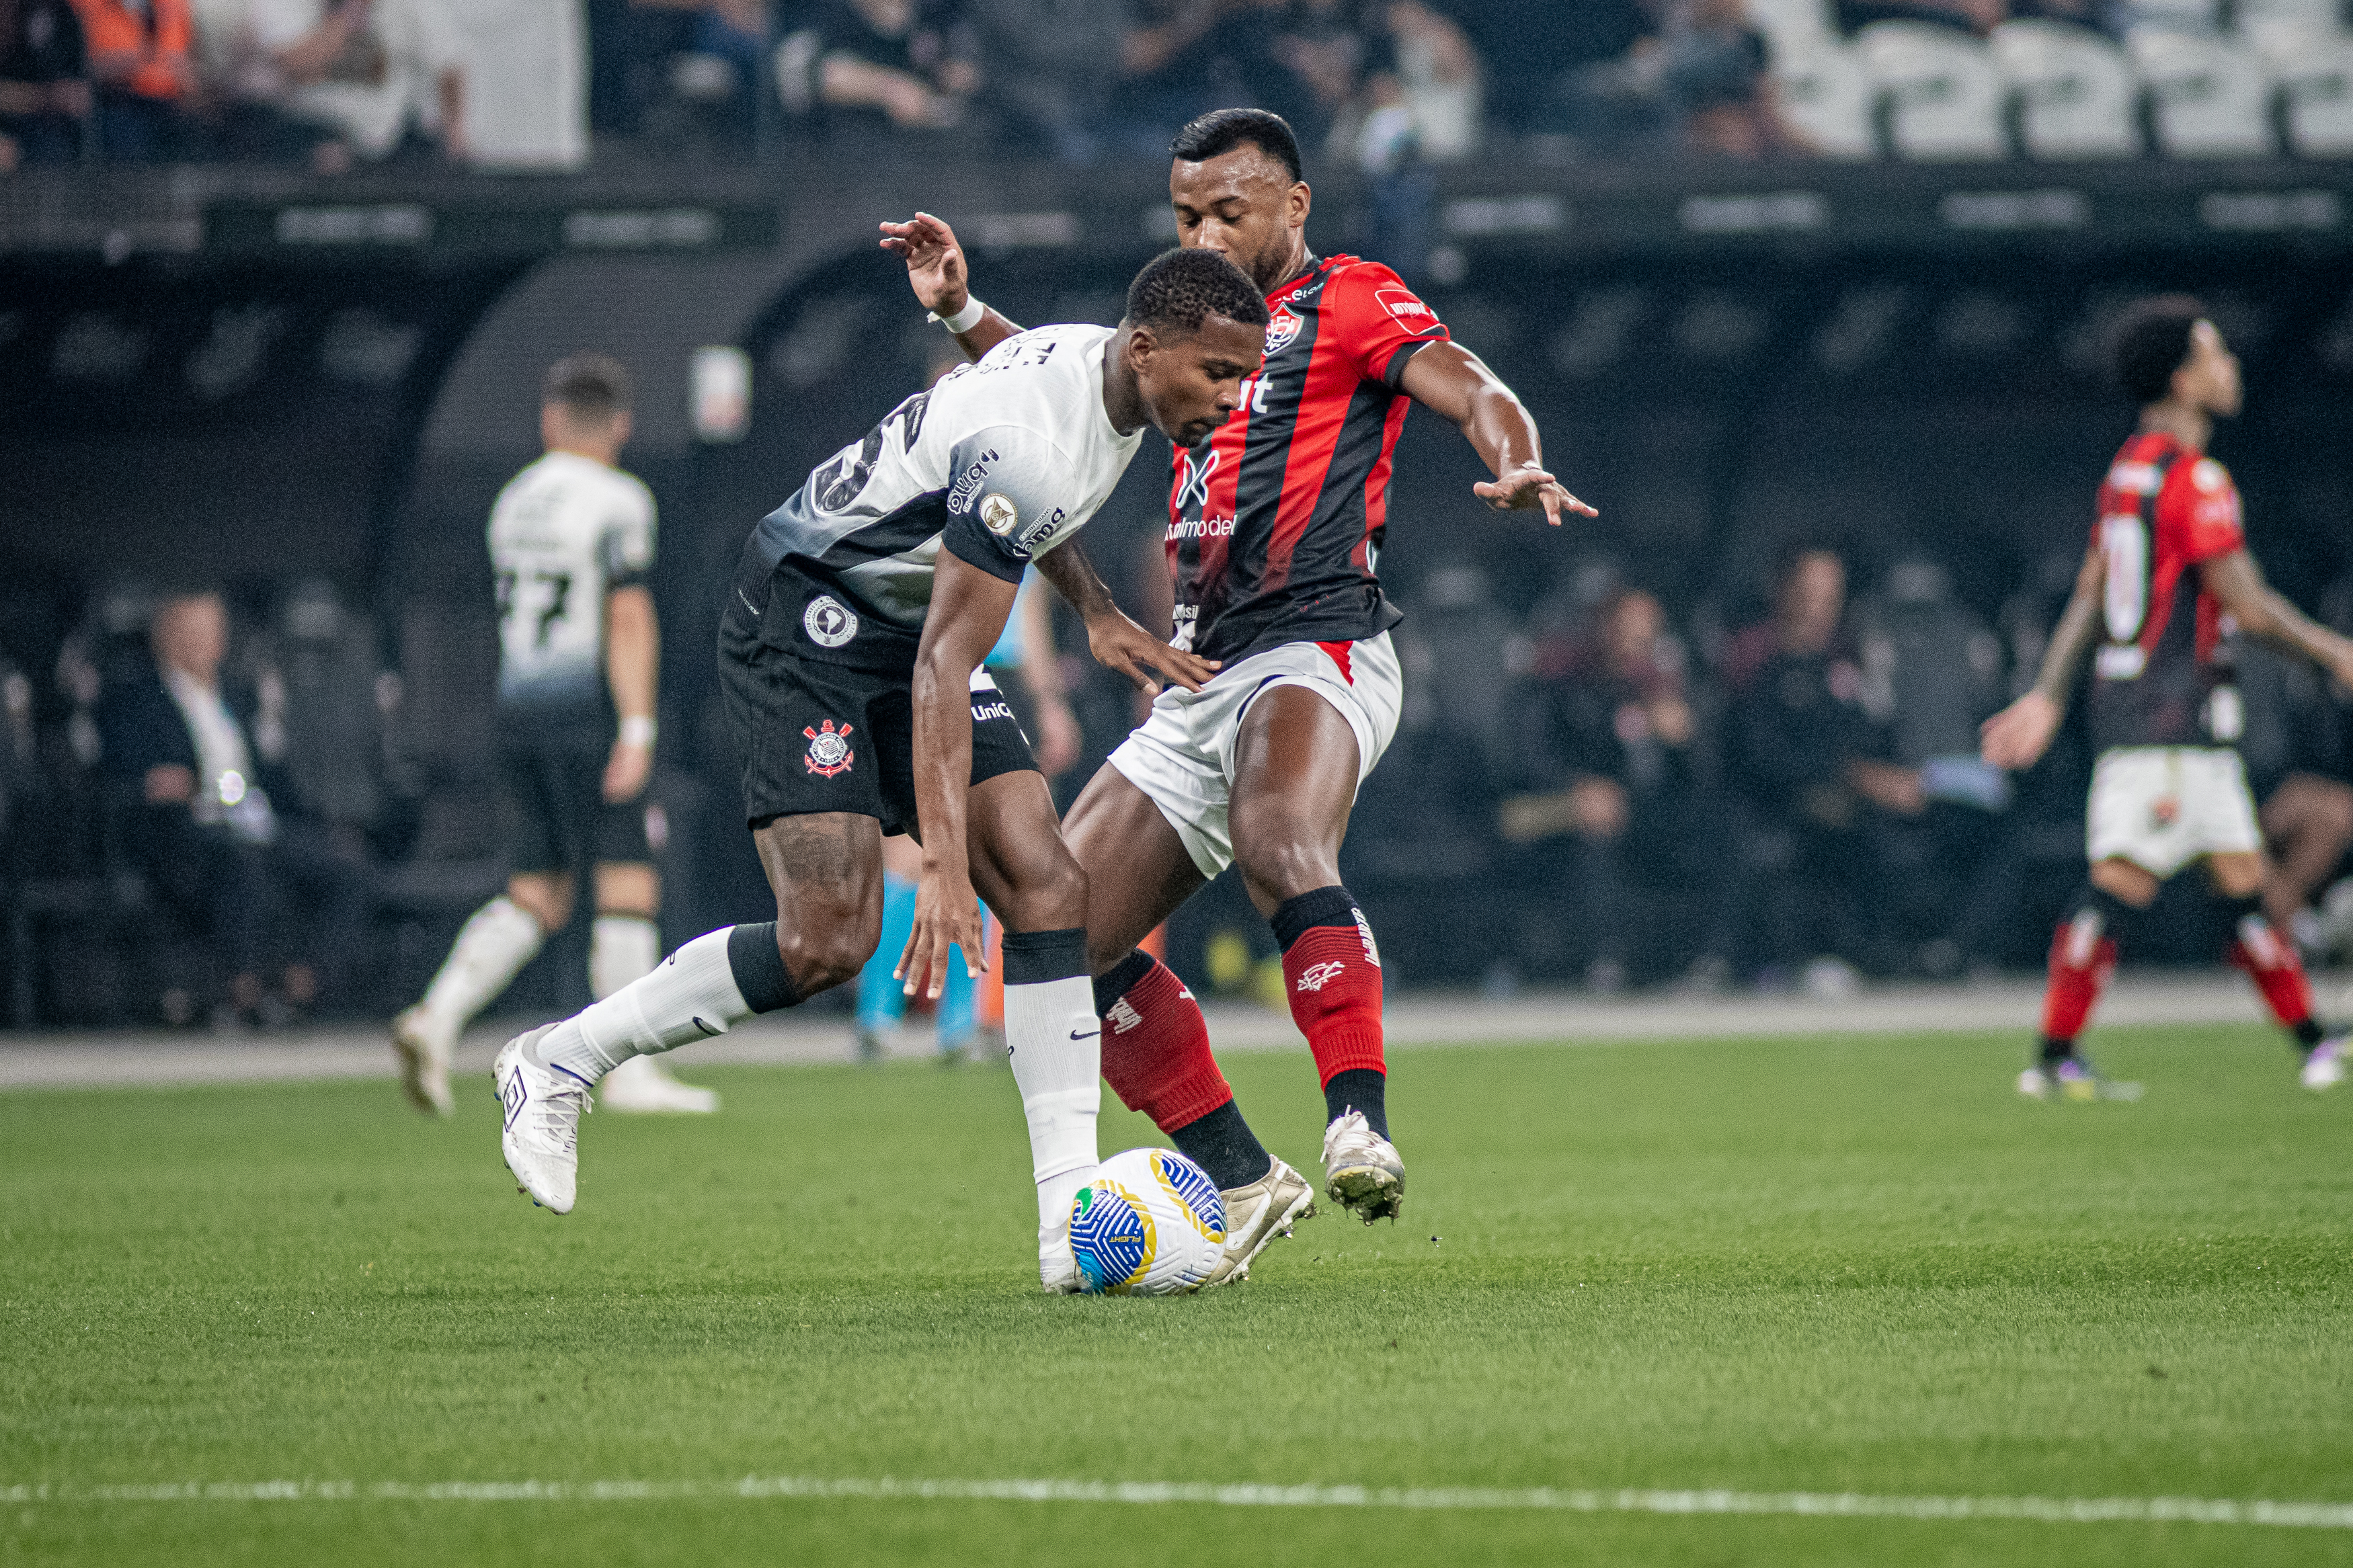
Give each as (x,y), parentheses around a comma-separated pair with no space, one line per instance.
(2268,956)
(1155,1044)
(1295,775)
(826,871)
(624,945)
(492,948)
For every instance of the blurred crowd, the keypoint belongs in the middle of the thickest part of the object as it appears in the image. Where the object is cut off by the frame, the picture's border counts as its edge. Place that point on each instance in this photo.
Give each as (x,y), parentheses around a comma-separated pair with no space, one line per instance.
(1788,798)
(248,817)
(1377,84)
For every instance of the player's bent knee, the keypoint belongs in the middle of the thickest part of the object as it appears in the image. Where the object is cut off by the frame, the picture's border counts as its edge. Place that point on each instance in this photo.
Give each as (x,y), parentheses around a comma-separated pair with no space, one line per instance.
(826,953)
(1052,898)
(2128,882)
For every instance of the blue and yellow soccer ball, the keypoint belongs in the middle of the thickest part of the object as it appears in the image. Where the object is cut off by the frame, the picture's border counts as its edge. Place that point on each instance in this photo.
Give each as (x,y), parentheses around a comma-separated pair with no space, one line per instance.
(1150,1224)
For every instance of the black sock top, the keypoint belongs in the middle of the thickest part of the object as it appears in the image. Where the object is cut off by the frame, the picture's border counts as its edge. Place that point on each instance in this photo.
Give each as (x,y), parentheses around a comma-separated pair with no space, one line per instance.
(1295,917)
(1037,957)
(759,968)
(1120,979)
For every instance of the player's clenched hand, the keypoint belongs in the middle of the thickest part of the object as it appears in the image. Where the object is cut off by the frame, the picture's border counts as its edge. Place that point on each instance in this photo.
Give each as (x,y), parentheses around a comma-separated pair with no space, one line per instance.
(1119,644)
(2016,736)
(627,770)
(935,269)
(947,916)
(1528,488)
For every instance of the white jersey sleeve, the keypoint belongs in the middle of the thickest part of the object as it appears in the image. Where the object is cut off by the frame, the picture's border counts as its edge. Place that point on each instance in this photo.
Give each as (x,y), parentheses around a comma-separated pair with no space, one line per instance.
(627,544)
(1017,495)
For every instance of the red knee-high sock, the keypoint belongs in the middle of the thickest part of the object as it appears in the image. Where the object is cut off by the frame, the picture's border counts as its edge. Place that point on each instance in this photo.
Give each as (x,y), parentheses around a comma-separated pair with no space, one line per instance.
(2082,956)
(1332,973)
(1155,1045)
(2271,962)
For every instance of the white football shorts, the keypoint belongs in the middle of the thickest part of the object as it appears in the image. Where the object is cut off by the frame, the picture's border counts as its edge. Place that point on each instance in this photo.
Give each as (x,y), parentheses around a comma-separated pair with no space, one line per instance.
(1183,755)
(2161,807)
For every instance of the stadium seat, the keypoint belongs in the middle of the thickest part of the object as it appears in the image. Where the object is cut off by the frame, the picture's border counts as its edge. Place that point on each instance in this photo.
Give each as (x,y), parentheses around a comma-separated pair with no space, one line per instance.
(526,84)
(2311,59)
(2210,96)
(1792,26)
(1945,95)
(1825,94)
(2077,92)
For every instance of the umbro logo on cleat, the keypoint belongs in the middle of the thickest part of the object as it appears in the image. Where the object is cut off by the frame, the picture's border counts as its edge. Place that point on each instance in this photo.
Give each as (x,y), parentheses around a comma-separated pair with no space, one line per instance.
(1317,977)
(512,1096)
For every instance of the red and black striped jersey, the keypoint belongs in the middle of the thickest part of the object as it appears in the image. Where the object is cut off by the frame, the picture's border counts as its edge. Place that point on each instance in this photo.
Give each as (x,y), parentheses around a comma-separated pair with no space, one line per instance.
(2156,680)
(1275,521)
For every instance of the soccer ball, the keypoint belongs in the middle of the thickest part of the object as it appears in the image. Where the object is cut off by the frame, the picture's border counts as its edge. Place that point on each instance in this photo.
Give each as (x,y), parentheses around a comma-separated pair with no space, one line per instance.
(1150,1224)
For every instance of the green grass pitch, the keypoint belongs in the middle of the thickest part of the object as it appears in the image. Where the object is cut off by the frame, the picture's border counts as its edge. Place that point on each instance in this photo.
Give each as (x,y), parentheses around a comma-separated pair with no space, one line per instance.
(1854,1264)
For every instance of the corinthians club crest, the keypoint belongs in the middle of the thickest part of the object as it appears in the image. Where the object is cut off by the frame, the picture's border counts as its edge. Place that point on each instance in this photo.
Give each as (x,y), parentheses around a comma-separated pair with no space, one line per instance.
(828,752)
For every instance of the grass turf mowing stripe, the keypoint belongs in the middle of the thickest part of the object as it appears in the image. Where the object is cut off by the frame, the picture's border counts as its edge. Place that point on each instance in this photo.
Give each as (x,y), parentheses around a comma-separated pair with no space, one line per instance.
(1815,1505)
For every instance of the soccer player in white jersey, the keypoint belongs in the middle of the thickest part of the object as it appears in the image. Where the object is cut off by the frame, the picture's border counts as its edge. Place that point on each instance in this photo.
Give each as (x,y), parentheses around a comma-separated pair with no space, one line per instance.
(571,543)
(850,657)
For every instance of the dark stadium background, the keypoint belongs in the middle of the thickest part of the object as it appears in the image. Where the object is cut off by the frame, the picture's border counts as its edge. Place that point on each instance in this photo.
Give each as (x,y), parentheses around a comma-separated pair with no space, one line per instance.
(247,376)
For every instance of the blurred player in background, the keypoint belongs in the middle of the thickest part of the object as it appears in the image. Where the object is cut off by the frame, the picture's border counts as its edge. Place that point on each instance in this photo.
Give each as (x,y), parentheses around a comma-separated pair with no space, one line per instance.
(1276,521)
(851,660)
(571,543)
(2166,585)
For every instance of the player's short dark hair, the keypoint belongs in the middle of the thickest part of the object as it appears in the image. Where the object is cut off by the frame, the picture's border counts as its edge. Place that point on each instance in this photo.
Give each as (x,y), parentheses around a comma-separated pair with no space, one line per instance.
(1180,289)
(1222,131)
(2151,342)
(592,388)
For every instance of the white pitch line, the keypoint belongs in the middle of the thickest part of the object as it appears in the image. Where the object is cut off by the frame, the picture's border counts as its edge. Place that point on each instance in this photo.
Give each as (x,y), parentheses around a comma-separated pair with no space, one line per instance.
(1804,1505)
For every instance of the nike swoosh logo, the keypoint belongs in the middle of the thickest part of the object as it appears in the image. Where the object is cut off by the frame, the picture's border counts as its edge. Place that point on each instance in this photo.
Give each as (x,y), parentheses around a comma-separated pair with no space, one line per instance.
(1090,1035)
(708,1032)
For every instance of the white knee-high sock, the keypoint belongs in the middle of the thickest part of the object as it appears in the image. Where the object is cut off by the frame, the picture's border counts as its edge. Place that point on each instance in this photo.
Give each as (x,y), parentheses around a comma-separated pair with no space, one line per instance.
(492,947)
(621,948)
(1056,1043)
(691,995)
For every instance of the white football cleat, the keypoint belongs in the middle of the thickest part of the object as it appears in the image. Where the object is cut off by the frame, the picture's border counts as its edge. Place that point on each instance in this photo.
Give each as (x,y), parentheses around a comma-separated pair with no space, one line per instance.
(1362,1170)
(1256,1215)
(2035,1084)
(424,1045)
(2324,1064)
(541,1135)
(1057,1265)
(643,1084)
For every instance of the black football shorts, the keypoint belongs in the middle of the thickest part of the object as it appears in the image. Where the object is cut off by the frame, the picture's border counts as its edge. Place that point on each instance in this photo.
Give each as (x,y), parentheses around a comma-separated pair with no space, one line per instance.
(822,737)
(557,818)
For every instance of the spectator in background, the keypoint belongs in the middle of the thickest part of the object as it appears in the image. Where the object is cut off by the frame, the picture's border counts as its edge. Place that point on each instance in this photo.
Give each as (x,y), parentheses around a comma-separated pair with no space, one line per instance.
(196,813)
(1701,83)
(1181,58)
(1968,16)
(1043,66)
(45,95)
(141,59)
(701,51)
(374,75)
(1808,768)
(1611,802)
(905,64)
(2298,750)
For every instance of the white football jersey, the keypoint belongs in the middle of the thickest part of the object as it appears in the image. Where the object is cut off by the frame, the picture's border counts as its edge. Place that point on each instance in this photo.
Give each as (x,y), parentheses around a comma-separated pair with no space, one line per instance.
(999,462)
(564,532)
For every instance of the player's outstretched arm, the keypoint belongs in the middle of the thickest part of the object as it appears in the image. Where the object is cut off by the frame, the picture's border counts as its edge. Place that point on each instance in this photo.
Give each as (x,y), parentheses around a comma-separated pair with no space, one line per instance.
(969,612)
(2019,736)
(2264,613)
(943,285)
(632,663)
(1456,384)
(1115,640)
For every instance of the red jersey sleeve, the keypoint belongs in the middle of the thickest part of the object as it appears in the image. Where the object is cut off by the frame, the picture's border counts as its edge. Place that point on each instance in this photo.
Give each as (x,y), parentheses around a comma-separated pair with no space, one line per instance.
(1383,323)
(2200,510)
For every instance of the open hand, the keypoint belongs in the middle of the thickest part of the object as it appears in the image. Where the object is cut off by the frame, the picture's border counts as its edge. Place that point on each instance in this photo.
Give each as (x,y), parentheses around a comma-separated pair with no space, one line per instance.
(627,770)
(1527,487)
(947,915)
(935,267)
(2016,736)
(1119,644)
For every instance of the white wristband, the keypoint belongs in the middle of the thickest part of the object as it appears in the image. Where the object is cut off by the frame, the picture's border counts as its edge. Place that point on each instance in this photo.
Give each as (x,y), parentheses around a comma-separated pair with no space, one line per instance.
(637,729)
(963,320)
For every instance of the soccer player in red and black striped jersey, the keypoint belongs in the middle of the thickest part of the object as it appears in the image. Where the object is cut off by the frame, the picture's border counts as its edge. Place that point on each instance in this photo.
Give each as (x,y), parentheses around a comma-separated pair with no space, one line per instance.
(1275,526)
(2166,587)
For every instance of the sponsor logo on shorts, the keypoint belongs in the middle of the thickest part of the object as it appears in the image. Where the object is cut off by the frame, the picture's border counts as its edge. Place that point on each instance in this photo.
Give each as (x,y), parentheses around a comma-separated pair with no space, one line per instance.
(829,622)
(828,750)
(982,712)
(1316,976)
